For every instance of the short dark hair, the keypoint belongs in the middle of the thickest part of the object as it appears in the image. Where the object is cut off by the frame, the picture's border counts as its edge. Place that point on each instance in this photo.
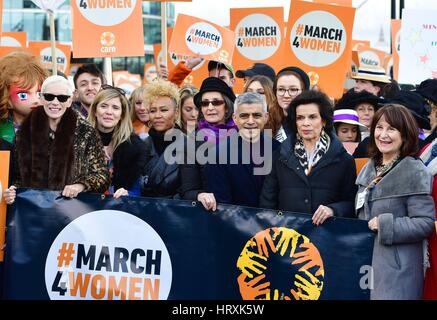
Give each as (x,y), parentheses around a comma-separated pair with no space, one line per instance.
(229,108)
(90,68)
(400,118)
(312,96)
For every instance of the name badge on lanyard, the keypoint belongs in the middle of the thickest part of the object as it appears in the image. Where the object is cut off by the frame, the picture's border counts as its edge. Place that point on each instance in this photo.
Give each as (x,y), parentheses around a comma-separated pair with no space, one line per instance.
(361,198)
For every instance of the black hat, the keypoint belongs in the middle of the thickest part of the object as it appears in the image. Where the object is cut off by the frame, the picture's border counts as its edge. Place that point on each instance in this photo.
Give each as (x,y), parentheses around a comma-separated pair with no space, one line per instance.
(417,106)
(428,89)
(213,84)
(261,69)
(351,99)
(303,75)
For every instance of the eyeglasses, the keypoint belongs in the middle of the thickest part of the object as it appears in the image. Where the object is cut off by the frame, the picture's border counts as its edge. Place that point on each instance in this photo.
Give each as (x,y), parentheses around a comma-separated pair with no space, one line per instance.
(215,103)
(51,97)
(108,86)
(291,91)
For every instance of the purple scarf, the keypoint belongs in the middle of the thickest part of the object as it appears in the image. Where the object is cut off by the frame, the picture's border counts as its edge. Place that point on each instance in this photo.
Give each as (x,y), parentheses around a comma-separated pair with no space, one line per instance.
(217,132)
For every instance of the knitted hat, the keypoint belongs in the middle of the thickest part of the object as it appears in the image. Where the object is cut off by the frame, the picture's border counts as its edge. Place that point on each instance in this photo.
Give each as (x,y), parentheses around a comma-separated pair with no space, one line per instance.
(213,84)
(302,74)
(347,116)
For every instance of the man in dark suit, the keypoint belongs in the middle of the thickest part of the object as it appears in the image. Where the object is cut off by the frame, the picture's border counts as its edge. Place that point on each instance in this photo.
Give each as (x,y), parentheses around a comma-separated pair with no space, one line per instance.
(244,159)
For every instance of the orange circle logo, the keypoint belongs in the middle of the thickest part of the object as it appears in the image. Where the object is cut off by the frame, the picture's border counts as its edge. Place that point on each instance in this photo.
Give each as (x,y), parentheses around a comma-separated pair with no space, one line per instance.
(263,275)
(107,39)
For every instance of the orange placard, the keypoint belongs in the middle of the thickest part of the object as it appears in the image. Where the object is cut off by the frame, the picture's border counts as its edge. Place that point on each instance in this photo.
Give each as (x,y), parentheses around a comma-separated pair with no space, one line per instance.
(4,183)
(193,36)
(6,50)
(319,38)
(100,28)
(395,45)
(360,162)
(259,38)
(346,3)
(196,76)
(150,72)
(14,39)
(360,43)
(44,50)
(371,57)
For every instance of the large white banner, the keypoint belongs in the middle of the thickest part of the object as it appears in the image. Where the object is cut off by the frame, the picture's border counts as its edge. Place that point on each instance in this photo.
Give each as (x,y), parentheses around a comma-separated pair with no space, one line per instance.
(418,55)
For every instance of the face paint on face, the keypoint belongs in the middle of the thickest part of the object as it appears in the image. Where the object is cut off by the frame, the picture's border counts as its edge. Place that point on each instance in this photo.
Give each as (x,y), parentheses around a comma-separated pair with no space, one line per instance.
(24,100)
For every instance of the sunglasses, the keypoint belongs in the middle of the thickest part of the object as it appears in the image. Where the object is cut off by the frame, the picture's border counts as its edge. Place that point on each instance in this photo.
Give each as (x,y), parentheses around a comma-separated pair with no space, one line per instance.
(215,103)
(51,97)
(107,86)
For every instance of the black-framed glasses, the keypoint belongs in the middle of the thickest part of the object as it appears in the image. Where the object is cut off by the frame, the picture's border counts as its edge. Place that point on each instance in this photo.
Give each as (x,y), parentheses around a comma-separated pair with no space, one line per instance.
(51,97)
(215,103)
(291,91)
(108,86)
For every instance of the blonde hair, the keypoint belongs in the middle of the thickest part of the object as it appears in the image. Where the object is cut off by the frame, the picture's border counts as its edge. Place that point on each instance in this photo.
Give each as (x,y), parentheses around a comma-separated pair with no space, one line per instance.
(124,128)
(161,88)
(136,95)
(185,93)
(21,69)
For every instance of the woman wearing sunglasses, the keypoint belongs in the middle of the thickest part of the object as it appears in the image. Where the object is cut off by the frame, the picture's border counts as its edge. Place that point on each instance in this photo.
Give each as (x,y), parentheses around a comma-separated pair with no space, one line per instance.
(124,150)
(215,100)
(56,149)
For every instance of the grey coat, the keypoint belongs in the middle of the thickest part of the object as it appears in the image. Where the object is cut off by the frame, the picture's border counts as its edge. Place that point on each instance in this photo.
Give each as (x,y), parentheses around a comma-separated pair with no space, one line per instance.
(404,206)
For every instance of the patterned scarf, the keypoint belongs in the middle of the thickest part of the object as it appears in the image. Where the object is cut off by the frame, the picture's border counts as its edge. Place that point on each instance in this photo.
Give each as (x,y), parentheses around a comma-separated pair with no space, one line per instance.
(308,161)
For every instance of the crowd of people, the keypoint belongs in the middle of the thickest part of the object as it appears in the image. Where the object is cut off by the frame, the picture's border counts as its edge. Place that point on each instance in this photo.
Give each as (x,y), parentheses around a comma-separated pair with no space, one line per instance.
(280,144)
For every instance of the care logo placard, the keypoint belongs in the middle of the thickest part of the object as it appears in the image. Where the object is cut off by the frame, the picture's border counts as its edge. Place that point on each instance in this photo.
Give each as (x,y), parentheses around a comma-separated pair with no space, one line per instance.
(99,28)
(111,255)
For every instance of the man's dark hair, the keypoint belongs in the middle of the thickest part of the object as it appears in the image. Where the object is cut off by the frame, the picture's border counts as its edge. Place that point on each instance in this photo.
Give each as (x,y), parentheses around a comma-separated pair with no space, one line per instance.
(90,68)
(316,97)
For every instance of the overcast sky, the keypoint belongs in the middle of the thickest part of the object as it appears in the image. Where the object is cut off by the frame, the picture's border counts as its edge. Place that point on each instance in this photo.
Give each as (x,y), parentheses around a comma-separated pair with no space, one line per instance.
(369,18)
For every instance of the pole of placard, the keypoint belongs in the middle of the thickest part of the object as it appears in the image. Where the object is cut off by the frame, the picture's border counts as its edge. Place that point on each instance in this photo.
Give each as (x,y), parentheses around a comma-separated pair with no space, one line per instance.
(164,32)
(107,70)
(53,42)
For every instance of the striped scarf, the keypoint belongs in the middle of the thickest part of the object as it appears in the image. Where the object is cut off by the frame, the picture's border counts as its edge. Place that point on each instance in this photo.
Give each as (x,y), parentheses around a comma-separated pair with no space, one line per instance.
(308,161)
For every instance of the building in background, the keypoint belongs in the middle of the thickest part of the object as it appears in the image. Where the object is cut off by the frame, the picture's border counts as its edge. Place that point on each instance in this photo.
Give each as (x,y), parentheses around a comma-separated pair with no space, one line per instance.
(24,15)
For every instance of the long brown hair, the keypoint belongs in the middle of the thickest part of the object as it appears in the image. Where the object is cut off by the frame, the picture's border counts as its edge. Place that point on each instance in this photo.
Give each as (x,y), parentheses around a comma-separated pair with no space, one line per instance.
(400,118)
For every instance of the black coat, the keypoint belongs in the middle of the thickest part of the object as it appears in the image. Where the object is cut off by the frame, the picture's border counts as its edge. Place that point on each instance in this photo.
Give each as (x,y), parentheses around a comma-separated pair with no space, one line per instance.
(331,182)
(159,180)
(128,161)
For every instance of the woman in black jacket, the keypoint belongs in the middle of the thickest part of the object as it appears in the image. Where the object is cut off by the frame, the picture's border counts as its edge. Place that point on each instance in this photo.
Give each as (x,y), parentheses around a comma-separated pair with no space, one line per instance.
(124,151)
(161,176)
(311,172)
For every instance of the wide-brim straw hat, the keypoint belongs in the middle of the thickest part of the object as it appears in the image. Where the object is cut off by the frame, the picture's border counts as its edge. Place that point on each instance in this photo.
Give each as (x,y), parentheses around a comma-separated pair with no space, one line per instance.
(371,74)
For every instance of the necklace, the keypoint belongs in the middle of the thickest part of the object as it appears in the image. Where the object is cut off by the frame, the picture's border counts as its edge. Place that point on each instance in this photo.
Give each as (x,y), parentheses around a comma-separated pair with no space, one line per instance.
(382,168)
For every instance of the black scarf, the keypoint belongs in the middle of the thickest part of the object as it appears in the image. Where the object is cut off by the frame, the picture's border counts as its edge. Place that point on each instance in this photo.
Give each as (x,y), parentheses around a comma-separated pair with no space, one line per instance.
(106,137)
(158,141)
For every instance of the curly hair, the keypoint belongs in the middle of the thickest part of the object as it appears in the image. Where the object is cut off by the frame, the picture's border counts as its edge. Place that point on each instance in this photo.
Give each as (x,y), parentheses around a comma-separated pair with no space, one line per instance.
(161,88)
(20,69)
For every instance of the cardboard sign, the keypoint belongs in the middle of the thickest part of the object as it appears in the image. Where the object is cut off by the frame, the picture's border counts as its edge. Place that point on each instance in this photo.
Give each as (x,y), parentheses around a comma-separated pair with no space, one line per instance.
(14,39)
(150,72)
(418,58)
(193,36)
(196,76)
(346,3)
(4,183)
(319,41)
(360,162)
(360,43)
(107,28)
(371,57)
(44,50)
(259,38)
(395,45)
